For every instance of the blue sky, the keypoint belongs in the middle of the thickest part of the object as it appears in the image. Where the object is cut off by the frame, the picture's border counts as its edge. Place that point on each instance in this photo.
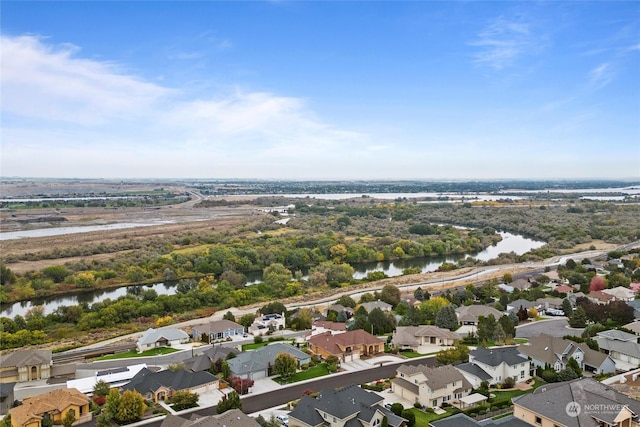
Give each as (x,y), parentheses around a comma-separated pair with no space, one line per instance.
(320,89)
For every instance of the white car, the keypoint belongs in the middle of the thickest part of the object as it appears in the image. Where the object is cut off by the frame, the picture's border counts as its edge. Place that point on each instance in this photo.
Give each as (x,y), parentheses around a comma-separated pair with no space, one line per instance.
(283,419)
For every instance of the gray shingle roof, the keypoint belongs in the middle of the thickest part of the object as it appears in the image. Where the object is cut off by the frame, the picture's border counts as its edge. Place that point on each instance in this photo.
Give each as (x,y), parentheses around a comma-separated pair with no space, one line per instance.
(436,377)
(474,370)
(203,361)
(473,312)
(407,335)
(231,418)
(259,359)
(171,334)
(25,358)
(495,356)
(551,401)
(146,380)
(222,325)
(548,349)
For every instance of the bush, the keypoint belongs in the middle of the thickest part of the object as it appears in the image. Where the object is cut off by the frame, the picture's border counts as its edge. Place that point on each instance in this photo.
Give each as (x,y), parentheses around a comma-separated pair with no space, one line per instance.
(257,339)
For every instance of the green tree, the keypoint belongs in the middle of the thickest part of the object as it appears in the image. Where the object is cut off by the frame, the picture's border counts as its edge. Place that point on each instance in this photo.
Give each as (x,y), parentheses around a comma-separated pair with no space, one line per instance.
(575,366)
(247,320)
(285,365)
(506,322)
(397,408)
(346,301)
(567,308)
(184,400)
(382,322)
(229,316)
(112,404)
(229,401)
(390,294)
(418,294)
(7,277)
(579,318)
(225,369)
(487,328)
(451,356)
(275,278)
(69,419)
(446,318)
(410,416)
(431,307)
(131,407)
(57,273)
(101,389)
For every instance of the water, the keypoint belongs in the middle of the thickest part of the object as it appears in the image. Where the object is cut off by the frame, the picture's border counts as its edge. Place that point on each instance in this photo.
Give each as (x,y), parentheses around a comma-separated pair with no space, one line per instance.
(59,231)
(509,243)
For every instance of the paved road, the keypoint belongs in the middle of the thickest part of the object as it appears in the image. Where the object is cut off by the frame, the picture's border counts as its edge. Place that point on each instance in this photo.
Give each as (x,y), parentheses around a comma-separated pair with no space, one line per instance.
(259,402)
(557,327)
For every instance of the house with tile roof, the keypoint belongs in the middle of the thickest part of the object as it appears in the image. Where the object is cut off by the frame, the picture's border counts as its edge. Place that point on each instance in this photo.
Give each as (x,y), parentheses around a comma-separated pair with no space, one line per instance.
(159,386)
(217,330)
(547,350)
(417,338)
(578,403)
(430,386)
(495,365)
(25,365)
(154,338)
(621,346)
(51,408)
(257,364)
(230,418)
(350,406)
(347,347)
(469,314)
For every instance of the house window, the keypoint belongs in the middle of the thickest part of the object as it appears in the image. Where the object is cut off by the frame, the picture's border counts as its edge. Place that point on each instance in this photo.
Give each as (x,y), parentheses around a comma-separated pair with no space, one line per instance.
(73,412)
(454,384)
(538,420)
(434,402)
(521,374)
(446,398)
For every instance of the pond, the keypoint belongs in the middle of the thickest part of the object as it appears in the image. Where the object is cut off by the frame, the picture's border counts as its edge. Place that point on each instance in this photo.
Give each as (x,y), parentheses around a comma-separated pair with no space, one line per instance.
(509,243)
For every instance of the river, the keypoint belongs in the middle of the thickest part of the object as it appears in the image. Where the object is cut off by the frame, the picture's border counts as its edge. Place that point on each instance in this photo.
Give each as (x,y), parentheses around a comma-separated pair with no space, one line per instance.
(509,243)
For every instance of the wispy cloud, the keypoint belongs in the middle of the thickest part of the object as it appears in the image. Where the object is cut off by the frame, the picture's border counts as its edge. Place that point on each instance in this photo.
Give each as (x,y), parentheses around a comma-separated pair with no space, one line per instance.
(602,75)
(503,41)
(53,97)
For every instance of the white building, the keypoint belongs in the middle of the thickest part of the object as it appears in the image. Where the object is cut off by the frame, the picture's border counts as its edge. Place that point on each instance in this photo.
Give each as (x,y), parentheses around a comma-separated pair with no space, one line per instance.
(153,338)
(495,365)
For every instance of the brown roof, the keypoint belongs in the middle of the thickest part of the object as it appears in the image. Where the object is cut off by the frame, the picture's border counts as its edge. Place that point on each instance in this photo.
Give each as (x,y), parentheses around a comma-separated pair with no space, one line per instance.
(565,289)
(548,349)
(53,402)
(334,326)
(406,335)
(231,418)
(600,296)
(335,343)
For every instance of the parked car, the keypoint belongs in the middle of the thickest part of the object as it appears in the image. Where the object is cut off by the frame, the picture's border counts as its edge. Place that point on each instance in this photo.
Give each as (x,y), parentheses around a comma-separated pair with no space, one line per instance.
(283,419)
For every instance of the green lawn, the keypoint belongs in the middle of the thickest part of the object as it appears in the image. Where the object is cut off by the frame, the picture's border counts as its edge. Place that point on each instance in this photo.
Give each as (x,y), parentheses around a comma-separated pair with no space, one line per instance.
(504,395)
(254,346)
(317,371)
(521,340)
(424,418)
(134,353)
(410,354)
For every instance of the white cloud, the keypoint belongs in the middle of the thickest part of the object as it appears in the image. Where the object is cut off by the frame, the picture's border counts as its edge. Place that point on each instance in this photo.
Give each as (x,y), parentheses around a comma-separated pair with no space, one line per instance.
(503,41)
(602,75)
(59,108)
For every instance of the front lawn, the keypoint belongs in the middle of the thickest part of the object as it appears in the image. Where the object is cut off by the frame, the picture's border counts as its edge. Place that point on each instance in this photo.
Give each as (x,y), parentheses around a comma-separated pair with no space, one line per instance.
(423,418)
(410,354)
(133,353)
(319,370)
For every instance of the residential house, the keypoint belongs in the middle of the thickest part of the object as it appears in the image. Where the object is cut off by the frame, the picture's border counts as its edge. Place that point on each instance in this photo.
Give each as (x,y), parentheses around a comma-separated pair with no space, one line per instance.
(521,284)
(633,326)
(635,304)
(230,418)
(257,364)
(267,323)
(154,338)
(515,305)
(51,408)
(338,308)
(549,302)
(6,397)
(505,288)
(462,420)
(565,289)
(577,403)
(350,406)
(25,365)
(620,293)
(418,338)
(322,326)
(348,346)
(116,378)
(573,297)
(547,350)
(469,314)
(159,386)
(498,363)
(600,297)
(621,346)
(376,304)
(217,330)
(203,361)
(430,386)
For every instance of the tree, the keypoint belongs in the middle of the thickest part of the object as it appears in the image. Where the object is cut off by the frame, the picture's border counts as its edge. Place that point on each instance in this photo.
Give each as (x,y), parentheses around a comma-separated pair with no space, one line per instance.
(390,294)
(275,307)
(579,318)
(131,407)
(229,401)
(597,283)
(274,279)
(101,389)
(567,308)
(446,318)
(346,301)
(450,356)
(381,322)
(567,374)
(285,365)
(69,419)
(112,404)
(432,306)
(229,316)
(418,294)
(303,319)
(247,320)
(225,369)
(508,326)
(332,363)
(487,328)
(240,385)
(575,366)
(533,313)
(57,273)
(522,314)
(410,416)
(397,408)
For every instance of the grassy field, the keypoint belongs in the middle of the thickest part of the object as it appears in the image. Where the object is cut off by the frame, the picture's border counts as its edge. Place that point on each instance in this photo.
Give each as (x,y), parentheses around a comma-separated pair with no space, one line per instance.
(134,353)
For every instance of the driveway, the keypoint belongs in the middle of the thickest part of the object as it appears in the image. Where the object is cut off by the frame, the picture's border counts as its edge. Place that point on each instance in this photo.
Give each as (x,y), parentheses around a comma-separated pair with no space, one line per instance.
(555,327)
